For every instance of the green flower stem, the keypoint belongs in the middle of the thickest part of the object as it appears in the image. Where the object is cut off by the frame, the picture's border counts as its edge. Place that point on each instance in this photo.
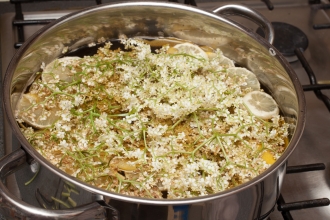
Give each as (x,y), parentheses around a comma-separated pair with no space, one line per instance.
(61,202)
(201,145)
(176,123)
(65,194)
(34,176)
(72,202)
(222,148)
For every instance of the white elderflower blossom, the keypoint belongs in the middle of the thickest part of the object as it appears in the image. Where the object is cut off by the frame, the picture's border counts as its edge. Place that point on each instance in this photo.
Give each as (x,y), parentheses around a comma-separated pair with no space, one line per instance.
(101,122)
(63,144)
(66,116)
(66,127)
(65,104)
(138,153)
(60,134)
(43,65)
(157,131)
(90,83)
(83,144)
(131,118)
(78,100)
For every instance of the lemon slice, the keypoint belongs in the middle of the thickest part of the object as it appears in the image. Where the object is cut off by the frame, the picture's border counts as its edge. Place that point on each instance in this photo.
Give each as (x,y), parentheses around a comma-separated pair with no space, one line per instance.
(210,55)
(287,99)
(191,49)
(226,62)
(268,157)
(60,70)
(30,110)
(261,104)
(251,79)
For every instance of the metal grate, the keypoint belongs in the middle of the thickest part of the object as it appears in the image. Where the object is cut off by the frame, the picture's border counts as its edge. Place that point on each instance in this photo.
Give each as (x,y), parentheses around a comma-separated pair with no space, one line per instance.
(314,86)
(19,21)
(285,208)
(321,7)
(282,206)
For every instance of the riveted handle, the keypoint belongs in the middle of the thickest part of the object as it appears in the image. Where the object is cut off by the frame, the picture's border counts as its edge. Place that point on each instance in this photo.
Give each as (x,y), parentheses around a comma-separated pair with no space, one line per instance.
(256,17)
(14,208)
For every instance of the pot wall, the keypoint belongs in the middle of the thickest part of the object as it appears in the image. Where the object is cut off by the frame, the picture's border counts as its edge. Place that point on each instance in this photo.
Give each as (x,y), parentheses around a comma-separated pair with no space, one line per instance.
(255,202)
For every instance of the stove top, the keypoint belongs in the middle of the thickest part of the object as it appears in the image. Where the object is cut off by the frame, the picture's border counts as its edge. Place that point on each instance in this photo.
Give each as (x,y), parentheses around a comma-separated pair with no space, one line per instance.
(313,147)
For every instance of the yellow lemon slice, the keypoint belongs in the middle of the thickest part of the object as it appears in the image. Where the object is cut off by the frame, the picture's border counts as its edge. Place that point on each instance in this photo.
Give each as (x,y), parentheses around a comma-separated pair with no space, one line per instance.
(30,110)
(210,55)
(261,104)
(122,164)
(287,99)
(60,70)
(251,79)
(268,157)
(226,62)
(191,49)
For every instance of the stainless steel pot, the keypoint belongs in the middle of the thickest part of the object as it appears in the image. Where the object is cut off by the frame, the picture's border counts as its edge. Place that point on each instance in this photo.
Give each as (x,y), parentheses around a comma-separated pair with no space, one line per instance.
(253,200)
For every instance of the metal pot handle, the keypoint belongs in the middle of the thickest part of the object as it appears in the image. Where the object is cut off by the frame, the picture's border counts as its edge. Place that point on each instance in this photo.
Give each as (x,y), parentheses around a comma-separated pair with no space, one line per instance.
(250,14)
(13,208)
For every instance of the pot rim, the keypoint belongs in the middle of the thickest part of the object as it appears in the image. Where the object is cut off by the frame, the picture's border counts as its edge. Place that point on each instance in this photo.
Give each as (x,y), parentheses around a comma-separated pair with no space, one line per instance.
(281,162)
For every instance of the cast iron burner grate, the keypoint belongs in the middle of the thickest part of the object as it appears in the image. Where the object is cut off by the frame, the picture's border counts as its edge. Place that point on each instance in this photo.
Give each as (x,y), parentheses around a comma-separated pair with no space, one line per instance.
(285,208)
(282,206)
(321,7)
(19,21)
(287,39)
(314,85)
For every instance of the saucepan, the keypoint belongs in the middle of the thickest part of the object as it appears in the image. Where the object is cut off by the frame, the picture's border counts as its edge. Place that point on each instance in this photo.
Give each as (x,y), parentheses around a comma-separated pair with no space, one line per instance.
(254,199)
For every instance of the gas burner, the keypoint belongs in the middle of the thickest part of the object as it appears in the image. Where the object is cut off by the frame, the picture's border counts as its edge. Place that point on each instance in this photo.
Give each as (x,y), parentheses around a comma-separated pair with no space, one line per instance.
(287,39)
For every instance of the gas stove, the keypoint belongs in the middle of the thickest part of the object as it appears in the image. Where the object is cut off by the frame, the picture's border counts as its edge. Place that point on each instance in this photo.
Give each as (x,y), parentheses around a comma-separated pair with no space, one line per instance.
(306,186)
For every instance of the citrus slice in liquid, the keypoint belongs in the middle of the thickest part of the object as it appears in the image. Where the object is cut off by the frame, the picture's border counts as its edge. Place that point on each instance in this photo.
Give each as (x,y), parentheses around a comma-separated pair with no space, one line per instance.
(268,157)
(226,62)
(251,79)
(191,49)
(60,70)
(30,110)
(261,104)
